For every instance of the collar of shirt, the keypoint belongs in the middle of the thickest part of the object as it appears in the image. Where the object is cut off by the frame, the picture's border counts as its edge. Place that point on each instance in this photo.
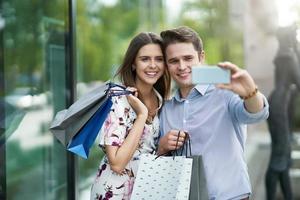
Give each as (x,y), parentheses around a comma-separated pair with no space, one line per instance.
(198,89)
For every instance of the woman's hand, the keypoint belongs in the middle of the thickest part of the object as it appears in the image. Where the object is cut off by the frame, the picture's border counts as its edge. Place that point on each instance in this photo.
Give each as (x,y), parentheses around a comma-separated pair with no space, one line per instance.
(137,105)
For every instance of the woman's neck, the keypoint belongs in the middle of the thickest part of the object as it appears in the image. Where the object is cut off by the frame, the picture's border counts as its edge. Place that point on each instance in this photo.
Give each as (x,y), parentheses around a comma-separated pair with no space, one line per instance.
(147,95)
(145,92)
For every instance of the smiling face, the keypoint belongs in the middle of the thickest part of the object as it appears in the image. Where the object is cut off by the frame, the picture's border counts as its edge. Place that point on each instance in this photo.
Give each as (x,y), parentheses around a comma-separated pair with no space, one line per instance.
(180,59)
(149,64)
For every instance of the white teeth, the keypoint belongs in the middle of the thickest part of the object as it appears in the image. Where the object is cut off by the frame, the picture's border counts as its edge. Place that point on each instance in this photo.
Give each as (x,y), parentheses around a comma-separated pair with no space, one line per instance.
(151,73)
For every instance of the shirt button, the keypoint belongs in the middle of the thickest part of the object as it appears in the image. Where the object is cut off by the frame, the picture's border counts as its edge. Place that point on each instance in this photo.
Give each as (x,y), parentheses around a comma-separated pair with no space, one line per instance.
(184,121)
(187,101)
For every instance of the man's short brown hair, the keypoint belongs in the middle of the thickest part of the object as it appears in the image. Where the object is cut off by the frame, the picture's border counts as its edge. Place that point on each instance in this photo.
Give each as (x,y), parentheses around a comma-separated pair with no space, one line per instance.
(181,34)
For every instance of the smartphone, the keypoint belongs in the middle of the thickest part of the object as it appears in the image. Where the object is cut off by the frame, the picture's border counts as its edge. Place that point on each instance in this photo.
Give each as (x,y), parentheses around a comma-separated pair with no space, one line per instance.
(207,74)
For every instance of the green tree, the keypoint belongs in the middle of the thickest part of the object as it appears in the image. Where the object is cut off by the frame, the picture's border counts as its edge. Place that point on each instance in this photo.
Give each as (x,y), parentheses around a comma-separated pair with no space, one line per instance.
(103,34)
(23,38)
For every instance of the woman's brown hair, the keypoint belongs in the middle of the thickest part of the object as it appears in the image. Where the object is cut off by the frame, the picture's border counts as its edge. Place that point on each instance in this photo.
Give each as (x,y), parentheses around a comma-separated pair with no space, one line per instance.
(127,75)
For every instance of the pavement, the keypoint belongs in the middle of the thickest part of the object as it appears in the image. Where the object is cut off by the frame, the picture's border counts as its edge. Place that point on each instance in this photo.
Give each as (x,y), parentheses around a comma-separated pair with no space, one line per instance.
(257,155)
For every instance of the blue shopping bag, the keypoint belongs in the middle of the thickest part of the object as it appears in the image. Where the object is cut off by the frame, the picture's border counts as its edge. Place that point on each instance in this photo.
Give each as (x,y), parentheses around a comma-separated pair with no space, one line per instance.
(84,139)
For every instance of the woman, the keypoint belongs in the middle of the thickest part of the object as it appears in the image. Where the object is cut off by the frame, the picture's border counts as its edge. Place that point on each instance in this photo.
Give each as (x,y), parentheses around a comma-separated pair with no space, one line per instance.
(132,126)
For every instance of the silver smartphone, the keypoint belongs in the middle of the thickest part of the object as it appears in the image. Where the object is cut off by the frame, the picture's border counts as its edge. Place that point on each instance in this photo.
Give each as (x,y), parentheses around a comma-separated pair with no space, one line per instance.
(210,74)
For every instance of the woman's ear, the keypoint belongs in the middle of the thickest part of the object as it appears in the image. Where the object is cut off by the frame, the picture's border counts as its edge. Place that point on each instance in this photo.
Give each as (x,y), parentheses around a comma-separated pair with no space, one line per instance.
(133,68)
(201,57)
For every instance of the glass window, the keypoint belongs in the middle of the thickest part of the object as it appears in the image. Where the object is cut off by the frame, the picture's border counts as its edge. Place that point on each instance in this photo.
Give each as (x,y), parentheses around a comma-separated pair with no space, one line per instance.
(35,88)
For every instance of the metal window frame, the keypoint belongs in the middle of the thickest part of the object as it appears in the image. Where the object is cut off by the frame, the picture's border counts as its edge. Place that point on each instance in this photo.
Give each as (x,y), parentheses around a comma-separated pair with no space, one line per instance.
(2,118)
(72,192)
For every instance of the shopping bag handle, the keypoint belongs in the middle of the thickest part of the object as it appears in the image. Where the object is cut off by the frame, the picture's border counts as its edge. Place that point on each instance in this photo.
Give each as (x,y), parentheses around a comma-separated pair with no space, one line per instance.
(111,85)
(117,92)
(186,143)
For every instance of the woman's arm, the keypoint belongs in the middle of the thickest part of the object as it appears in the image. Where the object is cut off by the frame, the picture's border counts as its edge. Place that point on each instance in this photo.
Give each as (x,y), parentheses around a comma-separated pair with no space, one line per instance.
(119,156)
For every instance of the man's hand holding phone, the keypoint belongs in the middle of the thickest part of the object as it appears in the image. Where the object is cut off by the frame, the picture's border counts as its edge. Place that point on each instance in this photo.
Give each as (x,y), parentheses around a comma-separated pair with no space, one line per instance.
(243,84)
(227,76)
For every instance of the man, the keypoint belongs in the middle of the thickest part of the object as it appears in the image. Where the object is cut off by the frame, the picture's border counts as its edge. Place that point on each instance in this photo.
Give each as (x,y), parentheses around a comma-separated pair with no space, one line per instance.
(215,117)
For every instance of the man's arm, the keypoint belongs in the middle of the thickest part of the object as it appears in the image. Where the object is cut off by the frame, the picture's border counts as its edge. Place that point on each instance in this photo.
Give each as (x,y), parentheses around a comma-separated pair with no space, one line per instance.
(255,103)
(243,84)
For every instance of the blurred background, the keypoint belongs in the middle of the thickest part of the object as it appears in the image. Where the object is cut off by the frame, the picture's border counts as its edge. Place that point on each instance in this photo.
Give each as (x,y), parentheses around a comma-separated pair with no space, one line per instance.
(52,52)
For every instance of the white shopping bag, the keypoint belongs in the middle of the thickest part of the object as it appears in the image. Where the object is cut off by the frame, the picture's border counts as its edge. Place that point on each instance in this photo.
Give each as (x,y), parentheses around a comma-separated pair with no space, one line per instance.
(165,178)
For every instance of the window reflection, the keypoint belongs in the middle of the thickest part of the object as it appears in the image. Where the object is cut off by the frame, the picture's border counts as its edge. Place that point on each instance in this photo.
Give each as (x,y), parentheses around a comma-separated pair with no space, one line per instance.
(34,65)
(26,98)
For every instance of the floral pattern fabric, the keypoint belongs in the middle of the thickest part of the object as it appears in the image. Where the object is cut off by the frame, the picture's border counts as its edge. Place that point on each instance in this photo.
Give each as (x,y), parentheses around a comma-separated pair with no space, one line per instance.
(109,185)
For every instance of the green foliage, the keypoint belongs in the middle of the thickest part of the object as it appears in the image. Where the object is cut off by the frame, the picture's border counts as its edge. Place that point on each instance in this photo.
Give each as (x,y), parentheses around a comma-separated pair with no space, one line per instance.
(101,44)
(211,47)
(210,18)
(25,38)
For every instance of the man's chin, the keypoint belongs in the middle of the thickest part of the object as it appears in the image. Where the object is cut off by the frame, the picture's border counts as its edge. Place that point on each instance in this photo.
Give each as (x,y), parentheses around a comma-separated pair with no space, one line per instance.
(185,84)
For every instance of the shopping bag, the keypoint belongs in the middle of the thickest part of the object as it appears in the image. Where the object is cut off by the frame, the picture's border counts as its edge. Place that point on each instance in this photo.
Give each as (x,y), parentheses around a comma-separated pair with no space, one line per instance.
(66,133)
(162,178)
(85,138)
(198,187)
(68,122)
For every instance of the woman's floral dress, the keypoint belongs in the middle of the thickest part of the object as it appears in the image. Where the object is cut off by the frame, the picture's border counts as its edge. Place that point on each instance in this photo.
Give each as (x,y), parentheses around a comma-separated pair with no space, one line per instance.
(108,184)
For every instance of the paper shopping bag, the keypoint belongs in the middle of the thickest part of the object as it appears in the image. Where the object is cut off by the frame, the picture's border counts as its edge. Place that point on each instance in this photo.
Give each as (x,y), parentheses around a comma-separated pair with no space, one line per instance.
(68,122)
(65,135)
(85,138)
(162,178)
(198,189)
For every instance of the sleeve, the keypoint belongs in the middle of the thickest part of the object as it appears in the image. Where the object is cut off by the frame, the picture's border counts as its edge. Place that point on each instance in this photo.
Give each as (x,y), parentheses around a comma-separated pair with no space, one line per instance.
(239,112)
(114,128)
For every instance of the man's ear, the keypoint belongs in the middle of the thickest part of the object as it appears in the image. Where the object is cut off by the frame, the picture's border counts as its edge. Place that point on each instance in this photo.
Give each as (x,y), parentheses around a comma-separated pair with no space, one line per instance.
(201,56)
